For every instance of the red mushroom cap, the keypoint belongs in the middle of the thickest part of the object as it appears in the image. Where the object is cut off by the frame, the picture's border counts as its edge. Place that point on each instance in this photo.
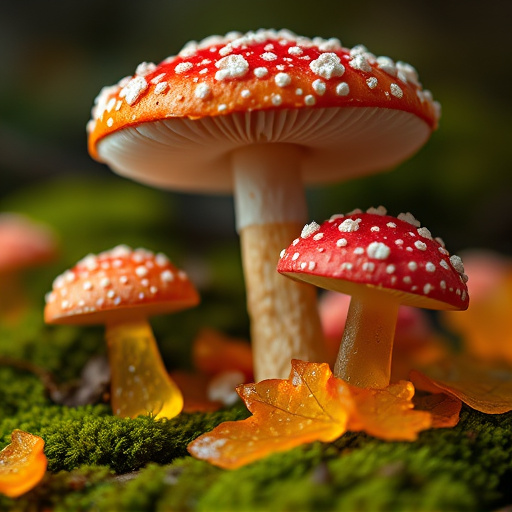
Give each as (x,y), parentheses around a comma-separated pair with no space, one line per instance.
(262,71)
(117,284)
(373,249)
(24,243)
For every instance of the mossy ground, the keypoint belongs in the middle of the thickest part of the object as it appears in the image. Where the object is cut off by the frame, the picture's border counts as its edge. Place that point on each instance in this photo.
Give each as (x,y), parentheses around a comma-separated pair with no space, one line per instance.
(100,462)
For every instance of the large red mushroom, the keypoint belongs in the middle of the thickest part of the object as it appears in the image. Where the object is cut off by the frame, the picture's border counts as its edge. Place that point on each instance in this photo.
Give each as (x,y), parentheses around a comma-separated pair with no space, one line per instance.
(382,262)
(262,114)
(121,288)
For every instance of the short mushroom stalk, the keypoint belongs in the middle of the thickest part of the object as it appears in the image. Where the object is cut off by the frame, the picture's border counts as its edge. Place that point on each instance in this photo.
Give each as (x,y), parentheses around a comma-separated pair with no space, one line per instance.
(140,384)
(270,208)
(364,358)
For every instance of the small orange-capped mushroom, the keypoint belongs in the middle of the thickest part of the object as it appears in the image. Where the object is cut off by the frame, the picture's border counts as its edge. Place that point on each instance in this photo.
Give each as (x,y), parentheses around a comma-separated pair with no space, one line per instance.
(262,114)
(22,464)
(121,288)
(24,244)
(382,262)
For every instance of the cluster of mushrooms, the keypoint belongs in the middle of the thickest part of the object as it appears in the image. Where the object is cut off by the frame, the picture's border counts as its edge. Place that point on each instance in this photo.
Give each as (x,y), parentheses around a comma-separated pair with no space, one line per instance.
(262,115)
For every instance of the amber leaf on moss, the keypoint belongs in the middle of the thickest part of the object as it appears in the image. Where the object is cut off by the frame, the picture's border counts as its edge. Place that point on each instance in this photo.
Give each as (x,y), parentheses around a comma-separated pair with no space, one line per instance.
(22,464)
(311,405)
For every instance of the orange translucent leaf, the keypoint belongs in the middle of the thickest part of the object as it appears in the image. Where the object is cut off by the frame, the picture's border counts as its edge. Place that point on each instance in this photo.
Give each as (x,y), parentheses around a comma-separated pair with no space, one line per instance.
(486,327)
(484,387)
(388,413)
(312,405)
(445,409)
(214,352)
(194,387)
(22,464)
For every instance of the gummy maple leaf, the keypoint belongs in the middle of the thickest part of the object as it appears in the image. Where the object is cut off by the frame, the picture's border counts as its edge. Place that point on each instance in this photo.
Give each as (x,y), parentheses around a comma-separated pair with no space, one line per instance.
(311,405)
(22,464)
(486,388)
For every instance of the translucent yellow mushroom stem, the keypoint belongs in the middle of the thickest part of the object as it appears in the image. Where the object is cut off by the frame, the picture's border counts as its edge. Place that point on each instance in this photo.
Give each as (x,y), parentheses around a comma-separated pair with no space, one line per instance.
(140,383)
(364,358)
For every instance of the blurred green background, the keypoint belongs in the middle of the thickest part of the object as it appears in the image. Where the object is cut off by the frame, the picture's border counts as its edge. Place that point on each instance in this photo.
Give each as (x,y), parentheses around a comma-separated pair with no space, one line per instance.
(56,55)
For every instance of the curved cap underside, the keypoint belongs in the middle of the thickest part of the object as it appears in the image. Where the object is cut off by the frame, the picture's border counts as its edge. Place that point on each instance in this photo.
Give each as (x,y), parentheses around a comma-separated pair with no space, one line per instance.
(195,154)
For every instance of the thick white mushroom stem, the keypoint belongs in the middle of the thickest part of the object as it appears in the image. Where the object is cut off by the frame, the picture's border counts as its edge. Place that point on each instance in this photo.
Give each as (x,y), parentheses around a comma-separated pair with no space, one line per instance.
(271,211)
(140,384)
(364,359)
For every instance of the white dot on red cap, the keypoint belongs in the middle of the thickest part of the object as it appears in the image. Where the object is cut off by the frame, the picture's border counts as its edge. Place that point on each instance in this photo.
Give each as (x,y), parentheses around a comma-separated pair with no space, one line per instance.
(412,265)
(161,260)
(442,284)
(311,265)
(308,230)
(349,225)
(391,225)
(430,267)
(407,279)
(261,72)
(390,269)
(282,79)
(427,288)
(375,229)
(396,91)
(144,282)
(202,91)
(346,266)
(123,279)
(303,265)
(327,65)
(342,89)
(297,240)
(245,93)
(318,236)
(111,294)
(359,250)
(87,286)
(153,290)
(161,87)
(276,99)
(420,245)
(222,107)
(183,67)
(110,122)
(268,56)
(295,50)
(141,271)
(372,82)
(167,276)
(319,87)
(282,253)
(100,302)
(105,282)
(442,250)
(444,264)
(295,256)
(299,92)
(65,304)
(378,250)
(342,242)
(309,100)
(368,266)
(399,241)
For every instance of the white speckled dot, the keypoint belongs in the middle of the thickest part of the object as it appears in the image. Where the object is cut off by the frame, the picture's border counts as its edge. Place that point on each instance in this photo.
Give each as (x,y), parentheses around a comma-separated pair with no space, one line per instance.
(282,79)
(327,65)
(232,66)
(396,91)
(202,91)
(309,100)
(319,87)
(430,267)
(372,82)
(420,245)
(378,250)
(268,56)
(183,67)
(342,89)
(342,242)
(260,72)
(295,256)
(412,265)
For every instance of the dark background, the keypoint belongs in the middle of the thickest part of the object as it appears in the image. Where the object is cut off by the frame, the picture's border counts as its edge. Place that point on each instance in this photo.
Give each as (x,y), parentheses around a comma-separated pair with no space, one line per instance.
(56,55)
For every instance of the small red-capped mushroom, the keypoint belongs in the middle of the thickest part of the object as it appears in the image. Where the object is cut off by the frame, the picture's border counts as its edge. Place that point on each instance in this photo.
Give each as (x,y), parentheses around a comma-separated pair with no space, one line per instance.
(24,244)
(121,288)
(382,262)
(262,114)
